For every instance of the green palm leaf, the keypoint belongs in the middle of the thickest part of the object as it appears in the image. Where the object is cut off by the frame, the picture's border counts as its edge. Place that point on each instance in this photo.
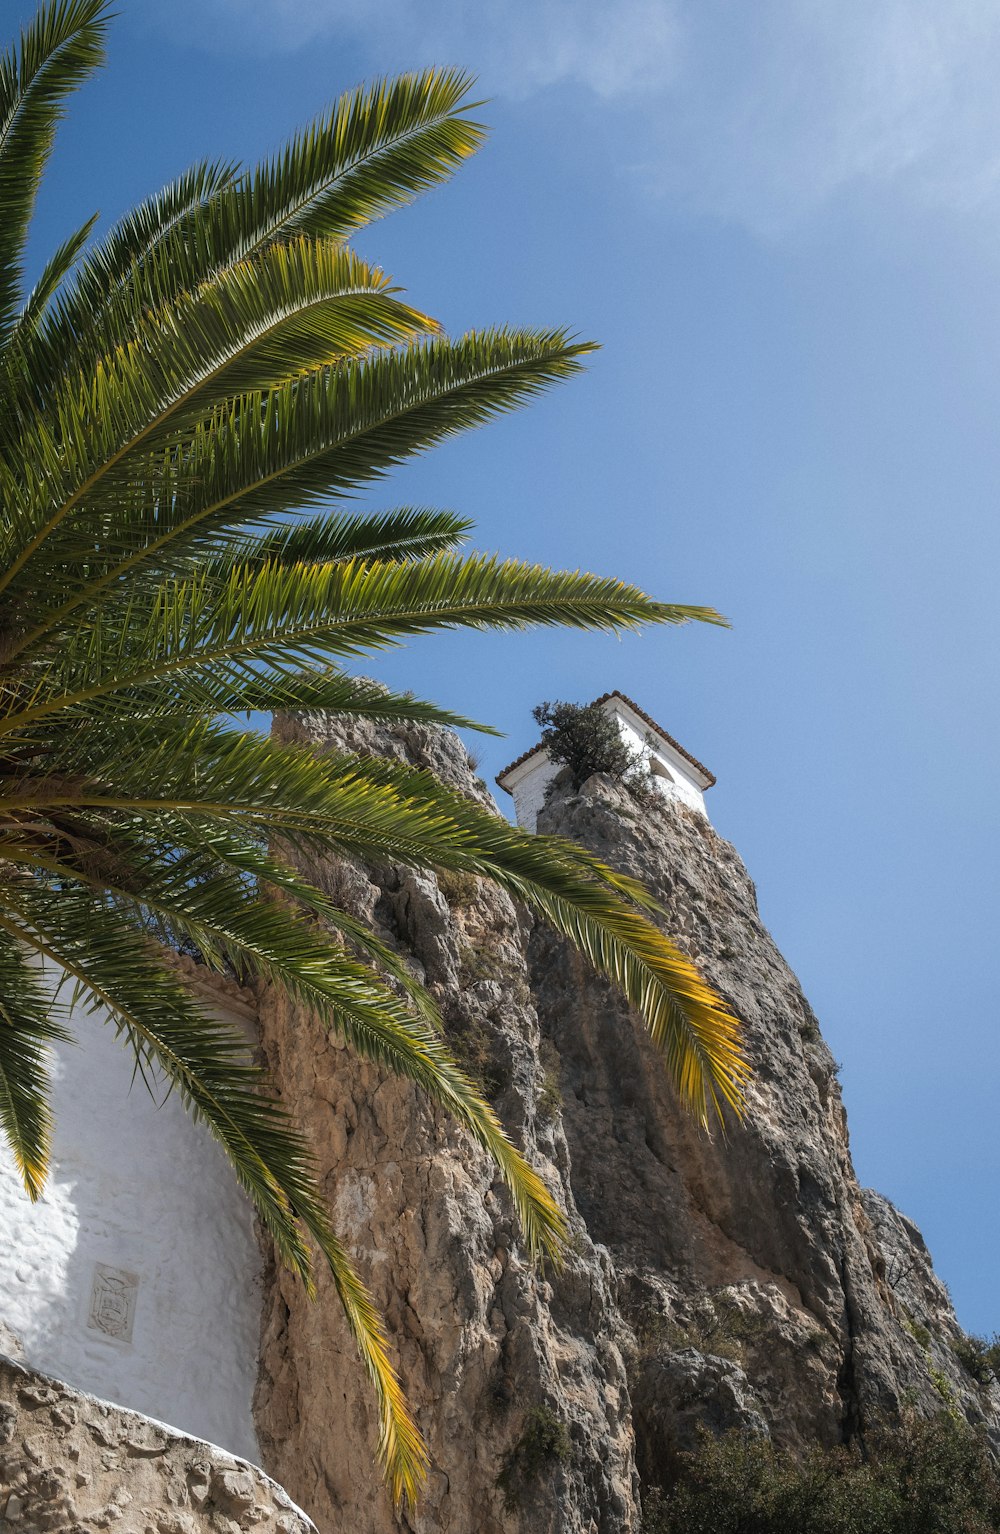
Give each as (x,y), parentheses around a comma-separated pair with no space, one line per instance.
(376,149)
(54,272)
(328,433)
(202,900)
(409,532)
(296,308)
(208,1062)
(189,635)
(57,50)
(119,264)
(381,811)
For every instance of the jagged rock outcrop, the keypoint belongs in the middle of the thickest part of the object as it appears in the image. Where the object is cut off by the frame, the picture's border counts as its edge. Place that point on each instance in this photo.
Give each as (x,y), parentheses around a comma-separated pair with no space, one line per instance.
(759,1246)
(928,1316)
(70,1464)
(738,1282)
(517,1376)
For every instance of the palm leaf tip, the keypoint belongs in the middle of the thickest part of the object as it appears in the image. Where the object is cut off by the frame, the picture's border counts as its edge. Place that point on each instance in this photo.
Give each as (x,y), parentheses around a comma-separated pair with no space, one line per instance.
(402,1452)
(698,1034)
(27,1032)
(543,1223)
(57,49)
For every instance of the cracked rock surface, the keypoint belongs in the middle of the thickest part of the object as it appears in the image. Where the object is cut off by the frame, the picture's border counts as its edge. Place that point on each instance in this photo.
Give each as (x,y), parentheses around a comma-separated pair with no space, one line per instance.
(517,1376)
(759,1247)
(740,1281)
(70,1464)
(728,1282)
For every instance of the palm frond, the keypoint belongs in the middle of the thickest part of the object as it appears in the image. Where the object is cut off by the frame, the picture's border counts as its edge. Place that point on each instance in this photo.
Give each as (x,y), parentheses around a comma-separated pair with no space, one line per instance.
(327,433)
(58,48)
(256,690)
(376,149)
(406,532)
(202,899)
(73,329)
(187,635)
(296,308)
(27,1029)
(276,875)
(380,811)
(54,272)
(118,264)
(692,1027)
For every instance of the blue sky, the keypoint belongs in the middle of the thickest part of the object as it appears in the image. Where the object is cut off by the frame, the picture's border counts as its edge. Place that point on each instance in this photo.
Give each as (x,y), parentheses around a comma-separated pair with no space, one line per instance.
(782,222)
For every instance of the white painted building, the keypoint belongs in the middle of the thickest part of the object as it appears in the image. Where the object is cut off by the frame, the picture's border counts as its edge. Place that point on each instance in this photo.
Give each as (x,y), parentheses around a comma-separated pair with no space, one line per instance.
(136,1277)
(674,771)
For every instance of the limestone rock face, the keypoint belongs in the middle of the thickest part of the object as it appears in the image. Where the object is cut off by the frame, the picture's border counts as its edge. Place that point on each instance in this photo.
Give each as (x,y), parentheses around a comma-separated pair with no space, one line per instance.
(929,1318)
(70,1464)
(740,1282)
(760,1246)
(517,1376)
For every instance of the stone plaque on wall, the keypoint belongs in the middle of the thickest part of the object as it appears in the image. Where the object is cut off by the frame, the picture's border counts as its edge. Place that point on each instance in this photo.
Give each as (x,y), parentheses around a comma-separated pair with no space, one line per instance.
(112,1302)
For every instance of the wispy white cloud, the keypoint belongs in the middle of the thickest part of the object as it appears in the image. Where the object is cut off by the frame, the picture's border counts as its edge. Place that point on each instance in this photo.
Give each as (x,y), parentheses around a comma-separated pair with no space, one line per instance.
(784,104)
(610,46)
(760,111)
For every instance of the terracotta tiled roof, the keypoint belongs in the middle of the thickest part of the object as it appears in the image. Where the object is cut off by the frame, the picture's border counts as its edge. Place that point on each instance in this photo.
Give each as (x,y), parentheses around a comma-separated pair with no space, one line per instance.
(606,698)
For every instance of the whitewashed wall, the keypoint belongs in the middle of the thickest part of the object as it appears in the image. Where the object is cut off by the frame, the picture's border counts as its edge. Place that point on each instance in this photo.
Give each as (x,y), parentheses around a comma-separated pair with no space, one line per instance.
(138,1193)
(528,784)
(672,775)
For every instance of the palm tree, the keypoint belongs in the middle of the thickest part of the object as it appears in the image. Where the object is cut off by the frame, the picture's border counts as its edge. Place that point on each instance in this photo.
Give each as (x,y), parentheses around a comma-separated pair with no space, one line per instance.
(175,400)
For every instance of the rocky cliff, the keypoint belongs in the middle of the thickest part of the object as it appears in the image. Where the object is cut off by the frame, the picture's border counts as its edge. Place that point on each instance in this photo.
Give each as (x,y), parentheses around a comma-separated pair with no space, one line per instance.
(740,1281)
(743,1280)
(518,1377)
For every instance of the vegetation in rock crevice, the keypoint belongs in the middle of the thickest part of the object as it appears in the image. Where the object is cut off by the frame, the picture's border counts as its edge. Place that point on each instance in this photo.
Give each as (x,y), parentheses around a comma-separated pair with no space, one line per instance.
(544,1444)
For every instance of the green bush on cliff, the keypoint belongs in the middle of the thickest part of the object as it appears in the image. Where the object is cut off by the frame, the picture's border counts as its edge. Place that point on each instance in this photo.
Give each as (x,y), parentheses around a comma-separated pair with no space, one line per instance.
(543,1445)
(980,1357)
(930,1477)
(585,739)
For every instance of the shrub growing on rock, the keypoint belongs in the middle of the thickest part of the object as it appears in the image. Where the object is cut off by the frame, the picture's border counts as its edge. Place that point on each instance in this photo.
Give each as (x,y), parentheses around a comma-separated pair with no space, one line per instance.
(929,1477)
(585,739)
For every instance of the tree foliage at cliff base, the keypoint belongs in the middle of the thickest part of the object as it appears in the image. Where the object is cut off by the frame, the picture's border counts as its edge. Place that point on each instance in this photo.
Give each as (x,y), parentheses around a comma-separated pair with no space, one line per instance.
(928,1477)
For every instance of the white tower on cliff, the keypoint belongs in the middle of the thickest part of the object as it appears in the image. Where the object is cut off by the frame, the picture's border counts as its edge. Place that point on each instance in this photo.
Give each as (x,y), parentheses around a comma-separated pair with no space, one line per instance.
(674,771)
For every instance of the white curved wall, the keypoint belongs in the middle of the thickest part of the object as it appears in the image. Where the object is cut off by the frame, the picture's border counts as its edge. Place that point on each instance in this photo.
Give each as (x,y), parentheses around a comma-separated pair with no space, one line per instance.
(138,1193)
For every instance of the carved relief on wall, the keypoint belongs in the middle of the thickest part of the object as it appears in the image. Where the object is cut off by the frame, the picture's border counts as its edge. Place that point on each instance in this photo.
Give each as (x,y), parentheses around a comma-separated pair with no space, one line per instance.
(112,1302)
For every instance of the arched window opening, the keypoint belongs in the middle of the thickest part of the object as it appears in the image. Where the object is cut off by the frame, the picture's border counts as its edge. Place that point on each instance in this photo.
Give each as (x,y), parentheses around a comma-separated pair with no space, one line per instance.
(659,769)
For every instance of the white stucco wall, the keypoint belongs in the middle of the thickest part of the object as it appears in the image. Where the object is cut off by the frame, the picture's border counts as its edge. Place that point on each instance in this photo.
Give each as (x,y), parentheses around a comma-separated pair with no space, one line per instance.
(527,784)
(145,1193)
